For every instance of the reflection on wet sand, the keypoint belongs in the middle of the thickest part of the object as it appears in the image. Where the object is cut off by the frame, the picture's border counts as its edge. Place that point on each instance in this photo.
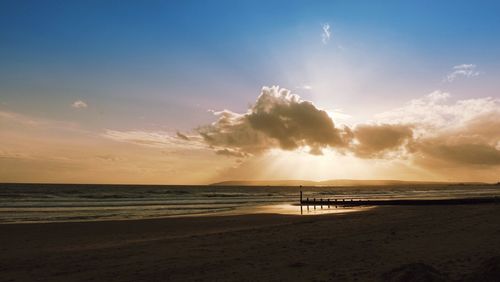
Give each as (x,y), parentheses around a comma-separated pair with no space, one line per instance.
(293,209)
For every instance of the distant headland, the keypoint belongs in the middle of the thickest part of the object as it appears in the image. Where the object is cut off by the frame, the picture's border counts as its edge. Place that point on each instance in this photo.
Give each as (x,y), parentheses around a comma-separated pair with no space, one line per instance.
(336,182)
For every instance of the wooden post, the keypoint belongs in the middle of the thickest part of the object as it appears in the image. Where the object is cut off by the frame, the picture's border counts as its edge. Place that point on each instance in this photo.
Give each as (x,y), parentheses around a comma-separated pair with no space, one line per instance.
(314,203)
(301,212)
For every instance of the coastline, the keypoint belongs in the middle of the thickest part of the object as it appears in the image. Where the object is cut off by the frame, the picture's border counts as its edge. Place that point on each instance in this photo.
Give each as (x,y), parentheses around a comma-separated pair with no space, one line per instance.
(23,203)
(454,240)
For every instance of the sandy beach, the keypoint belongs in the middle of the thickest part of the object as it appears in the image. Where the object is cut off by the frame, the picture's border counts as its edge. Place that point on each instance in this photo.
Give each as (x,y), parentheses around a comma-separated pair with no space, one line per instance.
(406,243)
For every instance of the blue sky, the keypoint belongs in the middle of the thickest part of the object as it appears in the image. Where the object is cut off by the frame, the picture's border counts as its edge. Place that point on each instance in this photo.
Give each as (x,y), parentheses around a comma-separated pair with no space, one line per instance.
(163,65)
(164,55)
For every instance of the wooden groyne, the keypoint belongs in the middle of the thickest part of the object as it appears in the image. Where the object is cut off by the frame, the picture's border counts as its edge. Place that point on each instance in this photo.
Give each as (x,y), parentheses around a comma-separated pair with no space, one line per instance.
(321,202)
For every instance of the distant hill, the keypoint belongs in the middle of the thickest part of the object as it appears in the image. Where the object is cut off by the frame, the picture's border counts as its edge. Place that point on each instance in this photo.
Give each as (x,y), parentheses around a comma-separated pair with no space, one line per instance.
(333,182)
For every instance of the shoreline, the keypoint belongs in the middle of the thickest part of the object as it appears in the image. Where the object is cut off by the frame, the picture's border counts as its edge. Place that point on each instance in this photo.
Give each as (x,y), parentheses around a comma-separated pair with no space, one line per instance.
(33,204)
(455,241)
(279,209)
(300,208)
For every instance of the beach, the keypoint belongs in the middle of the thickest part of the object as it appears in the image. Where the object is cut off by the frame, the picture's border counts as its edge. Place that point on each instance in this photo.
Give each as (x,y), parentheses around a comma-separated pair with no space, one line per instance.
(391,243)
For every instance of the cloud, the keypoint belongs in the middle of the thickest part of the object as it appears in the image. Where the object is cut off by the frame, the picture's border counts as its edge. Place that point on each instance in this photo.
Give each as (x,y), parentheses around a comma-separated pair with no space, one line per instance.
(12,117)
(234,131)
(304,87)
(376,140)
(14,120)
(466,132)
(428,131)
(475,142)
(325,35)
(110,158)
(11,154)
(230,153)
(293,122)
(460,153)
(435,113)
(338,114)
(79,104)
(279,119)
(34,149)
(182,136)
(464,70)
(156,139)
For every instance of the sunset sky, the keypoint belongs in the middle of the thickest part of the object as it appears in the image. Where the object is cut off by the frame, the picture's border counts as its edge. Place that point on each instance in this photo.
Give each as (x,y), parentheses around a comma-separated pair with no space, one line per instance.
(195,92)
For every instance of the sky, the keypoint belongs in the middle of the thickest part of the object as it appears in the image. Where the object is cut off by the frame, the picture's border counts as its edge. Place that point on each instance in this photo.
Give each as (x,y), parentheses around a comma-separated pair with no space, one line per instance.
(195,92)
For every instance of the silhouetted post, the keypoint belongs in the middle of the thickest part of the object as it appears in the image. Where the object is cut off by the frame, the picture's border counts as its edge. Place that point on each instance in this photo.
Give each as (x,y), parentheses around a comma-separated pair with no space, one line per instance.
(307,200)
(328,203)
(321,203)
(301,201)
(314,203)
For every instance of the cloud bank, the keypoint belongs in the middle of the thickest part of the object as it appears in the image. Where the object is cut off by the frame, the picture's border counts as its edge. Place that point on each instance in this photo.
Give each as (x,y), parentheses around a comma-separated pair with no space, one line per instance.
(466,132)
(426,130)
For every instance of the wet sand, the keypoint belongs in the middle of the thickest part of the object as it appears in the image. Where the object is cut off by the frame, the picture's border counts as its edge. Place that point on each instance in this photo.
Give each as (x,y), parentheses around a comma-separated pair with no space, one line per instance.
(399,243)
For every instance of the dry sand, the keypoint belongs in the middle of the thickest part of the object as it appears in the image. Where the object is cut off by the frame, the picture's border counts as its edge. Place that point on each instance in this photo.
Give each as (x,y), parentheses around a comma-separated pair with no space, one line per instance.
(405,243)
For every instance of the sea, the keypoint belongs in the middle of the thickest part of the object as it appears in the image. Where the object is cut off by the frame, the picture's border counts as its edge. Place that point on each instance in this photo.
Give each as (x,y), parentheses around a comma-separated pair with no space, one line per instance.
(37,203)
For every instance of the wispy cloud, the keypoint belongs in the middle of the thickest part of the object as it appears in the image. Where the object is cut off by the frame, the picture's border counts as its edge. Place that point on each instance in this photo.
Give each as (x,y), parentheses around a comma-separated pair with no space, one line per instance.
(231,153)
(304,87)
(325,35)
(37,149)
(463,70)
(14,120)
(79,104)
(182,136)
(156,139)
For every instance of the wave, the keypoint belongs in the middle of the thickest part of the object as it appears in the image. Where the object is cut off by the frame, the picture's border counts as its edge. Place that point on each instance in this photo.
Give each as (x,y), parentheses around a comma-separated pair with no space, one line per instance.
(43,203)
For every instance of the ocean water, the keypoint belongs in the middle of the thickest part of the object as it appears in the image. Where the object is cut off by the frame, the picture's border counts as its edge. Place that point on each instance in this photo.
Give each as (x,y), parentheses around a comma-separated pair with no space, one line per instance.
(28,203)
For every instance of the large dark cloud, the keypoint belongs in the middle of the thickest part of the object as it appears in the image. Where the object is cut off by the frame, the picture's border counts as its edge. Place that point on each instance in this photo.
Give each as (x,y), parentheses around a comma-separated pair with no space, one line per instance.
(278,119)
(294,123)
